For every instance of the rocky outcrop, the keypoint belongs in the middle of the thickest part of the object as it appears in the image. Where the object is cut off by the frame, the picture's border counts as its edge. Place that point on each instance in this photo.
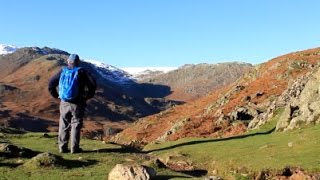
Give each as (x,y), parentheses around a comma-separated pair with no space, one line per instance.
(7,89)
(292,93)
(174,128)
(301,103)
(131,172)
(303,108)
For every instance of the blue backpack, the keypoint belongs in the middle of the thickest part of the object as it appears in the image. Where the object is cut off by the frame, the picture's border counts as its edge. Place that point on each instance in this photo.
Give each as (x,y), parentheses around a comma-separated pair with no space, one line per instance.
(69,84)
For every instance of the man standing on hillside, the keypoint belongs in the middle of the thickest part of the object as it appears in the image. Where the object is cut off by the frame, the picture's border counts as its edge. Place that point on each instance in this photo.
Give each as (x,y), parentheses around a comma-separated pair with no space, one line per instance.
(76,86)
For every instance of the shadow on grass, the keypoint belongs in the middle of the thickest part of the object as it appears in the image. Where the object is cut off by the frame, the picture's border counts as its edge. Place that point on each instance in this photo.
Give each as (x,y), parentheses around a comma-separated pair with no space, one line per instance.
(194,173)
(17,152)
(10,165)
(128,149)
(212,140)
(70,164)
(114,150)
(9,130)
(167,177)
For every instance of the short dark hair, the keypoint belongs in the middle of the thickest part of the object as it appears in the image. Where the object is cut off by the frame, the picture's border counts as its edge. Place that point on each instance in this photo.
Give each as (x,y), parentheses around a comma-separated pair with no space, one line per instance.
(73,59)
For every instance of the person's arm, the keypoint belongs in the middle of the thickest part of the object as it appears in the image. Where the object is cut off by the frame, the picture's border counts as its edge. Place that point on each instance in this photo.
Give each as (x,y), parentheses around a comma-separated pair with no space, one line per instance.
(53,84)
(90,82)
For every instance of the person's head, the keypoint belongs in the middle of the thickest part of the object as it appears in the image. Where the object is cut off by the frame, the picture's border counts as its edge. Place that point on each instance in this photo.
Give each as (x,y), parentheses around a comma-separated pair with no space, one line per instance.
(73,60)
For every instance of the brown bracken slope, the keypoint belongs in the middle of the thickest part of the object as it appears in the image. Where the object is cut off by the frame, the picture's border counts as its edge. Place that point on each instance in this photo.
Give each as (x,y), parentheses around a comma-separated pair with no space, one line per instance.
(200,117)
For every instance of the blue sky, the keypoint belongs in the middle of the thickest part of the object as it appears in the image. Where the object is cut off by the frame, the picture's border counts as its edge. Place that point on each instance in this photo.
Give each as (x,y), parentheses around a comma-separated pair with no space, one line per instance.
(129,33)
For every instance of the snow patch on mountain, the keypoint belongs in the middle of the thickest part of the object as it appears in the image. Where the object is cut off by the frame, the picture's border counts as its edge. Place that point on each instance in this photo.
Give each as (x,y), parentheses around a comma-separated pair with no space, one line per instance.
(7,49)
(138,72)
(111,73)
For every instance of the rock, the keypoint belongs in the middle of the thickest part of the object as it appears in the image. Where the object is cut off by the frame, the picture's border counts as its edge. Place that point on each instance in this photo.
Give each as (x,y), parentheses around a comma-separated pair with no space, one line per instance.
(10,150)
(174,128)
(239,88)
(159,163)
(131,172)
(213,178)
(244,114)
(246,99)
(96,134)
(7,89)
(262,175)
(294,173)
(291,111)
(133,146)
(303,105)
(110,131)
(259,94)
(43,160)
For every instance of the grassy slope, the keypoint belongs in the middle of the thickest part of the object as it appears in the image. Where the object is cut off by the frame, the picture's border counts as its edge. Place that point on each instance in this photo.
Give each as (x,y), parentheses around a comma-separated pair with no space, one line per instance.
(249,153)
(255,152)
(88,165)
(246,154)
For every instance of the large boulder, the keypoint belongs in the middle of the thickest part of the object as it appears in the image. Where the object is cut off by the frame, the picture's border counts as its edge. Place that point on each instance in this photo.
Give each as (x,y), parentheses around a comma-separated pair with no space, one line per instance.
(131,172)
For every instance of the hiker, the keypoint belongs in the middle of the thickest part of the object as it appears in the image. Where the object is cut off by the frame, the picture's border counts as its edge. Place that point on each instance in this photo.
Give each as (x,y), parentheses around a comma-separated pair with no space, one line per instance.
(76,86)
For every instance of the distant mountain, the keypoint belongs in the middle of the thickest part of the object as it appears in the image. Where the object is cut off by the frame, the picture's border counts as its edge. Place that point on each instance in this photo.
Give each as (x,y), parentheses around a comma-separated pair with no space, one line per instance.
(192,81)
(7,49)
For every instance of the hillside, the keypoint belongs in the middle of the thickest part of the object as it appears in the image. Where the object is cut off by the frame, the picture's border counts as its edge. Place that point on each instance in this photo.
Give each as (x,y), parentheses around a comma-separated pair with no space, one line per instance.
(192,81)
(249,102)
(26,103)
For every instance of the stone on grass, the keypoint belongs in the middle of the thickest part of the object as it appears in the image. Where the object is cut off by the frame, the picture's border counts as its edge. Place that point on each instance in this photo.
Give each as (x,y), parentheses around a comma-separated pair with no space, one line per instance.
(10,150)
(43,160)
(131,172)
(110,131)
(213,178)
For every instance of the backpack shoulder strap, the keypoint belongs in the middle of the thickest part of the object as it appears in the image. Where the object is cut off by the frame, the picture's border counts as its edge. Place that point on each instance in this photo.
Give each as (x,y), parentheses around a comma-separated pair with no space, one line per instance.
(64,68)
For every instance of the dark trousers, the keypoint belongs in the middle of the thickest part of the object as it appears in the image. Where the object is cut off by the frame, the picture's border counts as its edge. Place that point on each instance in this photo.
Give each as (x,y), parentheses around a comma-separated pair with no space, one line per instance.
(70,124)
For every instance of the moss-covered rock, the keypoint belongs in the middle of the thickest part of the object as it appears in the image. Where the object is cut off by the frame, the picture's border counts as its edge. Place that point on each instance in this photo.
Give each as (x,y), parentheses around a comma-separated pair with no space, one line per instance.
(44,160)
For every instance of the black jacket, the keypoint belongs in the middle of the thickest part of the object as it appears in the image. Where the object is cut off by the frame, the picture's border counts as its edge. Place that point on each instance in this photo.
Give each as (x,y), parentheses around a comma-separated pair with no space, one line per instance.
(87,86)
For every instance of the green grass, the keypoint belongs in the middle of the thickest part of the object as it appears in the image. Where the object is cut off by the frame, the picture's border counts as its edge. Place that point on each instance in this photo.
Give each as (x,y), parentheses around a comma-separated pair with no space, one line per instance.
(232,157)
(95,163)
(249,153)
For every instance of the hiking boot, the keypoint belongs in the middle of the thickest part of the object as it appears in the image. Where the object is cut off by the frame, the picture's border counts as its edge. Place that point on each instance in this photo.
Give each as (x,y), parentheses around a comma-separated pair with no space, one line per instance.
(64,150)
(74,151)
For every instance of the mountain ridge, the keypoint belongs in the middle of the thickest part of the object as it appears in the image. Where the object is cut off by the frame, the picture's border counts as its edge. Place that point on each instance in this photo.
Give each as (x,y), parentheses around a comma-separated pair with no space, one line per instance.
(116,104)
(7,49)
